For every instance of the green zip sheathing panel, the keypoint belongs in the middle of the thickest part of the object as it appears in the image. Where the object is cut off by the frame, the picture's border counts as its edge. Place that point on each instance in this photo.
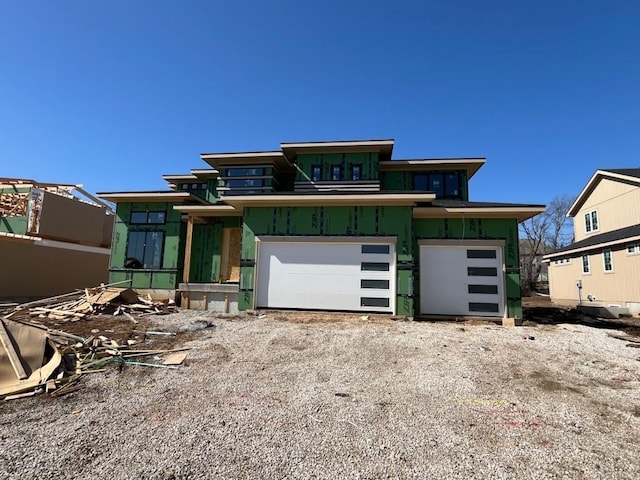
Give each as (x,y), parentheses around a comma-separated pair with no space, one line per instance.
(330,222)
(206,249)
(17,225)
(403,181)
(368,162)
(475,229)
(165,277)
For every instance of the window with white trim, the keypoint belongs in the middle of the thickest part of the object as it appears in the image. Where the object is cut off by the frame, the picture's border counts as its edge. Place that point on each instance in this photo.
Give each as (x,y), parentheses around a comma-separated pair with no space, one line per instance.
(608,260)
(591,221)
(586,268)
(633,249)
(562,261)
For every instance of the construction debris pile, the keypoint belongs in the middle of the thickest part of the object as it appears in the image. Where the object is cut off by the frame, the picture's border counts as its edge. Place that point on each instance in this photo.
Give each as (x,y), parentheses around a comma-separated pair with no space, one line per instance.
(102,300)
(13,204)
(35,358)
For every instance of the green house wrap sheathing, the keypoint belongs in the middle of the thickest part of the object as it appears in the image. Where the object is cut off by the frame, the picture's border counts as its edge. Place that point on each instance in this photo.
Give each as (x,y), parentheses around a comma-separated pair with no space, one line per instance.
(17,225)
(367,161)
(329,222)
(165,277)
(476,229)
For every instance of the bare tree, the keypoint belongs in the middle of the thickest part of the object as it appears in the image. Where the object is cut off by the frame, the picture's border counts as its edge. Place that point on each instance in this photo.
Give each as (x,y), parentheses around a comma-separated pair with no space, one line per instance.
(542,234)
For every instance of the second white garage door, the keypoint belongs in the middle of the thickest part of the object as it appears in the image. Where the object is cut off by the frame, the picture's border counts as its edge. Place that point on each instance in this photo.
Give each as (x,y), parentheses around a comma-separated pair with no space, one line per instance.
(339,275)
(461,280)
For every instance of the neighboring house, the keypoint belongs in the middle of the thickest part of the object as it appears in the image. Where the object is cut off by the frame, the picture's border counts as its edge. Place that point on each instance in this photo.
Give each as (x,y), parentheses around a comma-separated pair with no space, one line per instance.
(602,266)
(536,263)
(327,226)
(53,238)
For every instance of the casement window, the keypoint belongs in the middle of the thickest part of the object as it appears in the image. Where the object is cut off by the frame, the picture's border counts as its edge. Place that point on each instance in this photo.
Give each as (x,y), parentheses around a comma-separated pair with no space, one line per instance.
(633,249)
(154,218)
(608,260)
(336,173)
(144,249)
(316,173)
(586,268)
(591,221)
(356,172)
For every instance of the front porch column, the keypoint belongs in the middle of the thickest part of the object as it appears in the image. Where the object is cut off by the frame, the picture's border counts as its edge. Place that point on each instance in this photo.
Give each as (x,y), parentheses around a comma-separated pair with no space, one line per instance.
(187,250)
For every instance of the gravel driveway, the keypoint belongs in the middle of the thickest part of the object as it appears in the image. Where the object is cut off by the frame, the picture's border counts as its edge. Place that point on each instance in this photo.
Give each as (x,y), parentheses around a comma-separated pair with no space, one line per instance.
(320,396)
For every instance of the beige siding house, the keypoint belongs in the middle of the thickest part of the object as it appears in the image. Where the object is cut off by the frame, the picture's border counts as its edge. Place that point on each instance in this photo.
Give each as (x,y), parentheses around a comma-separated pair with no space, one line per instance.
(602,266)
(54,239)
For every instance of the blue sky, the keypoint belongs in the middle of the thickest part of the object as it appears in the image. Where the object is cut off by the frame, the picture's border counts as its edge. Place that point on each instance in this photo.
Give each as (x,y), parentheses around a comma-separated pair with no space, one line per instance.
(114,94)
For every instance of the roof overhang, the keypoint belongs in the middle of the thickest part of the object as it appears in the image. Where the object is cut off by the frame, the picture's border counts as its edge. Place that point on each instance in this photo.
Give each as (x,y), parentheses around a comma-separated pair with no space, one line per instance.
(383,147)
(593,183)
(179,178)
(612,243)
(219,160)
(519,213)
(471,165)
(205,173)
(44,242)
(169,197)
(333,200)
(209,210)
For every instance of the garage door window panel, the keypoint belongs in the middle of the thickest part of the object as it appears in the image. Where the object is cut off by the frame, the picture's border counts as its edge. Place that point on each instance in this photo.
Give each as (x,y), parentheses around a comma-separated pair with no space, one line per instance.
(482,271)
(371,283)
(483,289)
(374,267)
(374,302)
(483,307)
(481,253)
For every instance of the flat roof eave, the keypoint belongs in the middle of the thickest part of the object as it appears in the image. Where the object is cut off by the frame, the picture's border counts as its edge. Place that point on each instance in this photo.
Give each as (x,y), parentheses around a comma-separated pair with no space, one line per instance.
(316,199)
(169,196)
(383,147)
(471,165)
(519,213)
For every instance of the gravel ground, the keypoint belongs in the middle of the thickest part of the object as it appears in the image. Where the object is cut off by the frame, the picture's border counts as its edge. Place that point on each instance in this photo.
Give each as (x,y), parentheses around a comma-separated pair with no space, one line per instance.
(319,396)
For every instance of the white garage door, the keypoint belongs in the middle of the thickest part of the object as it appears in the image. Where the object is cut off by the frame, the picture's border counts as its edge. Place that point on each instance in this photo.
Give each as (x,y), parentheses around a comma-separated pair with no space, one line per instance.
(340,275)
(461,280)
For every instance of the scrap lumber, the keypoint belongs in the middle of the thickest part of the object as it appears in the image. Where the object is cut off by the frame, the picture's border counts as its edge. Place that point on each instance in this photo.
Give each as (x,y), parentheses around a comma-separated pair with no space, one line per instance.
(14,358)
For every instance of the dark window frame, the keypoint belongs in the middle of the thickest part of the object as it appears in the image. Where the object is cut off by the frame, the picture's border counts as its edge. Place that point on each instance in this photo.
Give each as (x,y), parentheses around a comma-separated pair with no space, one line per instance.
(245,172)
(375,267)
(334,169)
(140,265)
(146,214)
(422,182)
(354,169)
(374,283)
(314,169)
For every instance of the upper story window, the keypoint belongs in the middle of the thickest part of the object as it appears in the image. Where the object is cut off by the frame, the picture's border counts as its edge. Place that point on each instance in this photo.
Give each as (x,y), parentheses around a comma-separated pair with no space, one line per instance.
(608,260)
(244,182)
(591,221)
(633,249)
(562,261)
(138,218)
(444,185)
(245,172)
(316,173)
(336,173)
(356,172)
